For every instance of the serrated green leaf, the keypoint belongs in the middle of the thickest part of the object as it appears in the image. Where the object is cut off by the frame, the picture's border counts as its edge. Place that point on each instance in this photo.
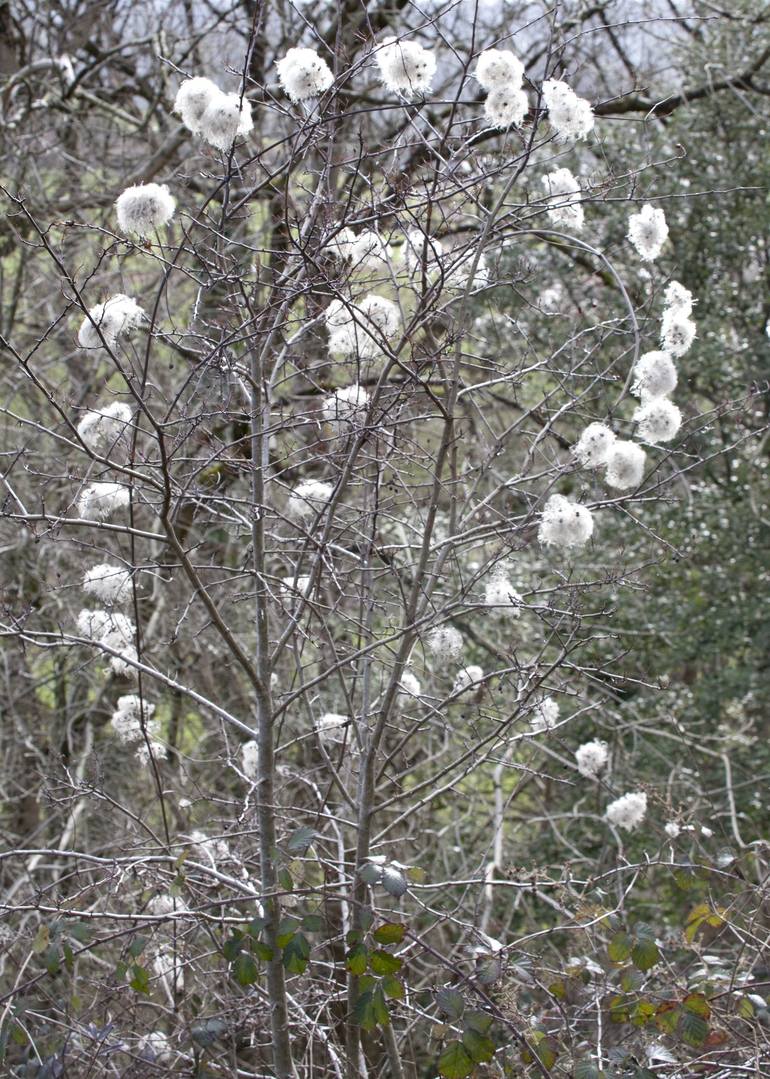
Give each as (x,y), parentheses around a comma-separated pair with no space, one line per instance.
(137,946)
(245,969)
(231,947)
(693,1028)
(371,1010)
(478,1021)
(586,1069)
(450,1002)
(296,954)
(300,840)
(312,923)
(619,948)
(645,954)
(140,979)
(384,963)
(480,1046)
(455,1062)
(392,988)
(262,951)
(357,959)
(698,1005)
(389,933)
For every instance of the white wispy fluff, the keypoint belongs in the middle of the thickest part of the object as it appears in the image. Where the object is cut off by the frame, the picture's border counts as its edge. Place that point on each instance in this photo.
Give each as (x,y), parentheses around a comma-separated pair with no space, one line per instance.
(445,644)
(226,117)
(506,107)
(459,274)
(113,630)
(370,252)
(571,116)
(423,252)
(359,329)
(167,967)
(129,716)
(405,66)
(564,207)
(659,420)
(145,208)
(115,318)
(591,757)
(250,759)
(101,500)
(304,74)
(208,849)
(109,583)
(545,714)
(677,297)
(192,99)
(467,677)
(309,497)
(677,331)
(625,465)
(499,68)
(594,446)
(648,231)
(654,375)
(382,313)
(499,592)
(155,1046)
(409,684)
(342,245)
(565,523)
(672,829)
(331,727)
(346,408)
(103,427)
(628,811)
(164,904)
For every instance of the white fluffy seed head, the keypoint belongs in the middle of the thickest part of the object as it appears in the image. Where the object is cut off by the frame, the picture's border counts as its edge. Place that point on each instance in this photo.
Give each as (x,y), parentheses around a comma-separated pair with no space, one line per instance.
(499,69)
(101,429)
(672,829)
(250,759)
(108,583)
(677,297)
(594,445)
(564,194)
(309,497)
(409,684)
(545,714)
(130,716)
(654,375)
(591,758)
(659,420)
(341,245)
(648,231)
(145,208)
(405,66)
(570,116)
(505,107)
(381,313)
(565,523)
(101,500)
(500,593)
(303,74)
(423,253)
(370,252)
(331,727)
(445,644)
(346,409)
(625,465)
(226,117)
(677,331)
(192,99)
(467,677)
(115,317)
(628,811)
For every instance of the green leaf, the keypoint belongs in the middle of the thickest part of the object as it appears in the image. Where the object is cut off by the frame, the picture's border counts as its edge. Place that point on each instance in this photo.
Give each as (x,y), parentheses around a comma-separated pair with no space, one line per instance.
(262,951)
(392,988)
(450,1002)
(231,947)
(364,1012)
(245,970)
(478,1021)
(140,979)
(619,948)
(69,958)
(296,954)
(42,939)
(384,963)
(51,959)
(255,927)
(286,931)
(312,923)
(480,1046)
(586,1069)
(698,1005)
(455,1062)
(693,1028)
(300,840)
(389,933)
(285,879)
(137,946)
(357,958)
(645,954)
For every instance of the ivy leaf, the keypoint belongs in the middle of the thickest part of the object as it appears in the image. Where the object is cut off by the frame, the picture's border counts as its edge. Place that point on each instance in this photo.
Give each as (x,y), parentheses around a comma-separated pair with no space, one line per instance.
(384,963)
(245,970)
(389,933)
(296,954)
(455,1062)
